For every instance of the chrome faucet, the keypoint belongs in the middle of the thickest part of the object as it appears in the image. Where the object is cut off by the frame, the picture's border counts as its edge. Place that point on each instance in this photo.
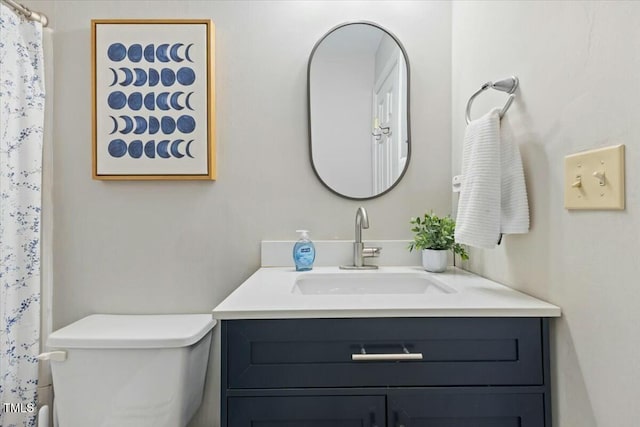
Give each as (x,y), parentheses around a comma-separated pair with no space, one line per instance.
(360,252)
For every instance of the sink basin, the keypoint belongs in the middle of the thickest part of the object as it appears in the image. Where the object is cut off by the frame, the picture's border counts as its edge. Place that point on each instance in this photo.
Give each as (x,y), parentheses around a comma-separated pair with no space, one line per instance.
(372,283)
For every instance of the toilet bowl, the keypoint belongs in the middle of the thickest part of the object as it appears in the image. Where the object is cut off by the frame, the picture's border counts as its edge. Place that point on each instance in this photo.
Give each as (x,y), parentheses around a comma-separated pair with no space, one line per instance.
(130,370)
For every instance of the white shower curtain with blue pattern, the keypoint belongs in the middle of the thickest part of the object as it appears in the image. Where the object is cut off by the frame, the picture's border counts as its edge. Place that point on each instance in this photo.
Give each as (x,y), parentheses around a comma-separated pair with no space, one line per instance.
(21,140)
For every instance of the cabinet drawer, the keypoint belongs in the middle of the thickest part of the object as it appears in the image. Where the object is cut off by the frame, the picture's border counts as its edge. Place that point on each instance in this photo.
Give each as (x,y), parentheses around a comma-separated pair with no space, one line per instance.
(307,411)
(320,352)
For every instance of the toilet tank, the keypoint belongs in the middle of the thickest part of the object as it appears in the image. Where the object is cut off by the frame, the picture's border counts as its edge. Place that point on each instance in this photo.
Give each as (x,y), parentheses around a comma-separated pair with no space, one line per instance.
(131,370)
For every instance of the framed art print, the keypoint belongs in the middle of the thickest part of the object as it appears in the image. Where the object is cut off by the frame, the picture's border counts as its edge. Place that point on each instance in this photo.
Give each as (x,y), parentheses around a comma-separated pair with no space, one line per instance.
(153,99)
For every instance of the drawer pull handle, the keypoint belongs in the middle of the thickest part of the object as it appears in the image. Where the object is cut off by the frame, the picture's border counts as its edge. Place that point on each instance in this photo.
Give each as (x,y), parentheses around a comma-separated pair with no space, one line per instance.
(388,356)
(405,355)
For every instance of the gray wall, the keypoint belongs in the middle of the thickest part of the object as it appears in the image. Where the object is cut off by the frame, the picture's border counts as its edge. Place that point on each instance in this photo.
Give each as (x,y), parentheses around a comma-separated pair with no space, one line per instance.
(578,64)
(341,111)
(386,48)
(182,247)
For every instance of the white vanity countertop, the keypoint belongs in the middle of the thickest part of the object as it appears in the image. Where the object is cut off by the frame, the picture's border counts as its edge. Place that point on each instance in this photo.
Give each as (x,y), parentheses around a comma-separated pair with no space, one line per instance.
(268,294)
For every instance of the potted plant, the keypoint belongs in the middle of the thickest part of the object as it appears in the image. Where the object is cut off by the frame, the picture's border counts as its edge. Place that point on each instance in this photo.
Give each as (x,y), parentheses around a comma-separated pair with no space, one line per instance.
(435,236)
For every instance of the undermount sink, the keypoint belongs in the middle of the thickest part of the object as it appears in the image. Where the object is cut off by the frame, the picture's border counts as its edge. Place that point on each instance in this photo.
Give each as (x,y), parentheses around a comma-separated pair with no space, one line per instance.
(361,283)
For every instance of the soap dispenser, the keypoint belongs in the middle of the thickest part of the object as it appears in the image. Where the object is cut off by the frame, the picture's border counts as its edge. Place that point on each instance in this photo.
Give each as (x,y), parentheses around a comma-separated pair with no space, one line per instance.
(304,252)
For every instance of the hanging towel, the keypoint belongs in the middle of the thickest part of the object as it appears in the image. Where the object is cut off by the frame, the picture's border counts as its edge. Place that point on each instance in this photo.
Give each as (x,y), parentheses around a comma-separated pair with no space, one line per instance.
(478,219)
(493,198)
(514,206)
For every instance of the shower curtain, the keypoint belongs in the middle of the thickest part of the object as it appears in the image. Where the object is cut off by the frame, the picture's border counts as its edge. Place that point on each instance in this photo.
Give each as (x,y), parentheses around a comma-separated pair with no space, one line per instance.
(21,139)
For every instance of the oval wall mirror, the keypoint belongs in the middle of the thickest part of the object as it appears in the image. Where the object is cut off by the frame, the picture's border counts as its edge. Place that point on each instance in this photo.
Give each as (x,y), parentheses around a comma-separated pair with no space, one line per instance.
(358,93)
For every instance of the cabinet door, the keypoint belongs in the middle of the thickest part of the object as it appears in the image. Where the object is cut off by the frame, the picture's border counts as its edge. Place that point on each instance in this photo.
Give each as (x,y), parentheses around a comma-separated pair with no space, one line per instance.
(306,411)
(460,409)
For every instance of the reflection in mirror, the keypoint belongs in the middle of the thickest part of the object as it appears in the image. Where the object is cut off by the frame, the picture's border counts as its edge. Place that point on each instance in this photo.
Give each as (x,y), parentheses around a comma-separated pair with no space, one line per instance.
(359,110)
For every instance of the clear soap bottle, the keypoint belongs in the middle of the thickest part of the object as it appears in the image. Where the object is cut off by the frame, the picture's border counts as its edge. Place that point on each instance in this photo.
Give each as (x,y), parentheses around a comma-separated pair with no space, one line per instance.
(304,252)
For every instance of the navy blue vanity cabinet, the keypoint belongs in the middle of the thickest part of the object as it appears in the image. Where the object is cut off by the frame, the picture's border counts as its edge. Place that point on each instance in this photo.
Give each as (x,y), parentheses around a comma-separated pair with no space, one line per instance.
(378,372)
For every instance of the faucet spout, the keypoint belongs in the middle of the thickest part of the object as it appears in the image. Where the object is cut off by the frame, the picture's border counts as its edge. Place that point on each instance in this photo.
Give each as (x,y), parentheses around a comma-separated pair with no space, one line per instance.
(362,222)
(359,251)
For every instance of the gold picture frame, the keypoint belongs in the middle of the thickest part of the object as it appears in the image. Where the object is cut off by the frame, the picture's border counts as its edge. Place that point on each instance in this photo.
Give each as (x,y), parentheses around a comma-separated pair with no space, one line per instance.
(153,99)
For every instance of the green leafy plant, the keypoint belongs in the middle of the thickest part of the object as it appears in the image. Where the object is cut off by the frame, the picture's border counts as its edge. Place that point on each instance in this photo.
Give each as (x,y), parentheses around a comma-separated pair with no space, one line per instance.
(434,232)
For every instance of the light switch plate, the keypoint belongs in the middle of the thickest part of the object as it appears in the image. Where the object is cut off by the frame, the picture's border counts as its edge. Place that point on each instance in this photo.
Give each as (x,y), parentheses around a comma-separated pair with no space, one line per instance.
(594,179)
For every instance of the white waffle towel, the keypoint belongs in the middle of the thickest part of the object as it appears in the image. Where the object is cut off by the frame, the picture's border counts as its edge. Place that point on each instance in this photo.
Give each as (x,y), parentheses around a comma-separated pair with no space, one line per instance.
(493,196)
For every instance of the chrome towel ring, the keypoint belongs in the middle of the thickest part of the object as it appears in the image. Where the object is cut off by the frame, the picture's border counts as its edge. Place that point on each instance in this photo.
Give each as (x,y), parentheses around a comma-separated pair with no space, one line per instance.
(508,85)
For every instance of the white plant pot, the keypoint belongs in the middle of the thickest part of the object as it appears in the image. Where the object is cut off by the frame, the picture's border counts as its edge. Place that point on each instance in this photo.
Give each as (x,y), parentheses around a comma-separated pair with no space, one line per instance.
(434,261)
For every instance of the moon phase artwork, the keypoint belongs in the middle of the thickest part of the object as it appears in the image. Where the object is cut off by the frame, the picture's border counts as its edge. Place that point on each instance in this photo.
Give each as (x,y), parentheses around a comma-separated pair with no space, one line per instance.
(153,99)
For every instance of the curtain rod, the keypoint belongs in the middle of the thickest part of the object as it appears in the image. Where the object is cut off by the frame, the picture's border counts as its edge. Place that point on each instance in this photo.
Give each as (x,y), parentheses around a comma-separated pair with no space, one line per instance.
(28,13)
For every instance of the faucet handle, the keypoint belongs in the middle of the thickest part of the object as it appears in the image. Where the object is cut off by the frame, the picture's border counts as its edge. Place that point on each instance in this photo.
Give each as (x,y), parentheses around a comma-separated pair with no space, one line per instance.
(372,252)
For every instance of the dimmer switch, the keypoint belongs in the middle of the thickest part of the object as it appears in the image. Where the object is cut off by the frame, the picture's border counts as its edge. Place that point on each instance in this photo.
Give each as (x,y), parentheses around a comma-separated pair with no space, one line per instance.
(594,179)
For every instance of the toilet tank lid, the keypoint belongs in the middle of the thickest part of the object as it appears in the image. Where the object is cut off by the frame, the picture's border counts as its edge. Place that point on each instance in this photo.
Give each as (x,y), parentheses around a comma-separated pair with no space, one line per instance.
(118,331)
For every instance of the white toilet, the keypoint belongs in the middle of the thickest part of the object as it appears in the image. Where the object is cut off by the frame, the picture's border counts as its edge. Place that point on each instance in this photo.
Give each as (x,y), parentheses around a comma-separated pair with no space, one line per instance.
(130,370)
